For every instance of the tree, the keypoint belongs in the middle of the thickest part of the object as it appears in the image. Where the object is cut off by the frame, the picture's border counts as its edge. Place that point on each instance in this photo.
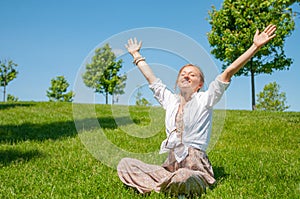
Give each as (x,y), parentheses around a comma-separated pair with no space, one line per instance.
(58,90)
(102,73)
(234,25)
(141,101)
(270,99)
(11,98)
(7,74)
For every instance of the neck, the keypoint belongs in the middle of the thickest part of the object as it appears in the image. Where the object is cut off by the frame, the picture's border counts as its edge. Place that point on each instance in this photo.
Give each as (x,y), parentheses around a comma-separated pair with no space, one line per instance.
(185,96)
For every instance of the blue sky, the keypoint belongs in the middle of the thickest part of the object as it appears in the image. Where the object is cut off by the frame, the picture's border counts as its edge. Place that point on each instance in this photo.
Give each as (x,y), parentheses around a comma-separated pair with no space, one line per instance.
(52,38)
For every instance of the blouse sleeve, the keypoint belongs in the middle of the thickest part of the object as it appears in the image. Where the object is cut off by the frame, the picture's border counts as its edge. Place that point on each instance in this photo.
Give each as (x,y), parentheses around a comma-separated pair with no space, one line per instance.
(161,93)
(215,91)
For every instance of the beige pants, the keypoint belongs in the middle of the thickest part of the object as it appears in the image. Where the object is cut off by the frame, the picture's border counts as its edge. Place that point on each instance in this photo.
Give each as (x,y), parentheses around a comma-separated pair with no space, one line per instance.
(191,176)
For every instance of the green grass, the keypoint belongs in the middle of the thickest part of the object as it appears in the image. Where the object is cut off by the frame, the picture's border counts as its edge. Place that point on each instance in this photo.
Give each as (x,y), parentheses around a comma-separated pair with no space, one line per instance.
(43,156)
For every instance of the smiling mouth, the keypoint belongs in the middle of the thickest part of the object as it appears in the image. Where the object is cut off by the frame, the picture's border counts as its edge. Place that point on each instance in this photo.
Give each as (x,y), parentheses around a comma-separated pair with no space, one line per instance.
(185,82)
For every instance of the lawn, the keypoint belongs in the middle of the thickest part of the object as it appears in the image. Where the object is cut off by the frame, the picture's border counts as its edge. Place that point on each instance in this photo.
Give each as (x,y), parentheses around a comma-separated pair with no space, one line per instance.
(45,154)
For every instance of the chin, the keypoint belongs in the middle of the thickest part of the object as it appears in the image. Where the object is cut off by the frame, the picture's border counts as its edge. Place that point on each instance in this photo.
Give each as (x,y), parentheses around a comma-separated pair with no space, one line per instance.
(186,89)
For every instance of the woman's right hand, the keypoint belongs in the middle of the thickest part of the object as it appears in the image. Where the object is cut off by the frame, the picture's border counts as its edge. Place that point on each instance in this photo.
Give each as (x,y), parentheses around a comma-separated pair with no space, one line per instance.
(133,46)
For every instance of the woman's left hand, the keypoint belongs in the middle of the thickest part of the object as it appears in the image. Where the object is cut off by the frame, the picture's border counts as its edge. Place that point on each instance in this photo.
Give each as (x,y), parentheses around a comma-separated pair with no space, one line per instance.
(264,37)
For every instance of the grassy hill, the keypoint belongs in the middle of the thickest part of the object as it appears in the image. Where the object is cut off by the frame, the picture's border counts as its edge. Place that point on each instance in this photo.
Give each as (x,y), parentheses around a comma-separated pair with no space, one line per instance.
(47,151)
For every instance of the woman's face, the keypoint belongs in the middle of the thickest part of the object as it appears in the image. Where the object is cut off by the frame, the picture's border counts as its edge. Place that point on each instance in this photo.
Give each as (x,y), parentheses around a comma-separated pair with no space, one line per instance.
(189,79)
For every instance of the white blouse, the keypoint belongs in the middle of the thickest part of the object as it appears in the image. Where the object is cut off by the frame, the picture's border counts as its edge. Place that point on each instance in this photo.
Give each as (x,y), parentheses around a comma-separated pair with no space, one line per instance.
(197,117)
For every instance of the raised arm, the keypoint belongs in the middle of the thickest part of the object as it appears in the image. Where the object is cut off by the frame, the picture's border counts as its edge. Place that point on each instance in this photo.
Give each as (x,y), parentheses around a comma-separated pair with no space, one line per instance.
(258,41)
(133,47)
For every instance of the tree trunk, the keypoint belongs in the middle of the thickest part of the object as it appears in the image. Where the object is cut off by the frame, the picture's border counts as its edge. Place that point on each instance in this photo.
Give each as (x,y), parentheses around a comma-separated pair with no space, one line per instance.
(106,98)
(252,85)
(4,93)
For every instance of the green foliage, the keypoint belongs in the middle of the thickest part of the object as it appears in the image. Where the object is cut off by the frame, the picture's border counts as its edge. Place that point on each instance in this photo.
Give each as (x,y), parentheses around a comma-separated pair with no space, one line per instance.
(119,88)
(102,73)
(58,90)
(42,156)
(7,74)
(234,25)
(270,99)
(11,98)
(141,101)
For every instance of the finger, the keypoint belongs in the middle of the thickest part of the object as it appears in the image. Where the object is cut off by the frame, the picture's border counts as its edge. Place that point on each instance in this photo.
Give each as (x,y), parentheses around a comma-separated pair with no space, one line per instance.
(130,41)
(272,30)
(272,36)
(135,41)
(267,28)
(256,33)
(140,44)
(126,46)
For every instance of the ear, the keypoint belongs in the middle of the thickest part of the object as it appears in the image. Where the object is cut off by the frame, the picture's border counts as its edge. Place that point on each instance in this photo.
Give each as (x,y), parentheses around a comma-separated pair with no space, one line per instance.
(199,86)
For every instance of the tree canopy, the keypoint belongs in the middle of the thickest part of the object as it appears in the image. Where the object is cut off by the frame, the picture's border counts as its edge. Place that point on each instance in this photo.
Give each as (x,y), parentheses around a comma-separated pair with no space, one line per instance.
(102,74)
(58,90)
(271,99)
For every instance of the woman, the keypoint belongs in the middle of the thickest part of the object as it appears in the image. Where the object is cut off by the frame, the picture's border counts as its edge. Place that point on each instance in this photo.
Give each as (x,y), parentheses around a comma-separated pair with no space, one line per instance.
(187,170)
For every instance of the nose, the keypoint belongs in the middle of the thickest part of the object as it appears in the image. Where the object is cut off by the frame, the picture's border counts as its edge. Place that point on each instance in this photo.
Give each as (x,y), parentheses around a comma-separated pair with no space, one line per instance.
(186,76)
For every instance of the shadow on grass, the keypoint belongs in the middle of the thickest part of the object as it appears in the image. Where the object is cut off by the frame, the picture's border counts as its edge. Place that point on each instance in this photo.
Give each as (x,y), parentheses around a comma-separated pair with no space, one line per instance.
(39,132)
(108,122)
(10,156)
(220,175)
(113,123)
(13,105)
(57,130)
